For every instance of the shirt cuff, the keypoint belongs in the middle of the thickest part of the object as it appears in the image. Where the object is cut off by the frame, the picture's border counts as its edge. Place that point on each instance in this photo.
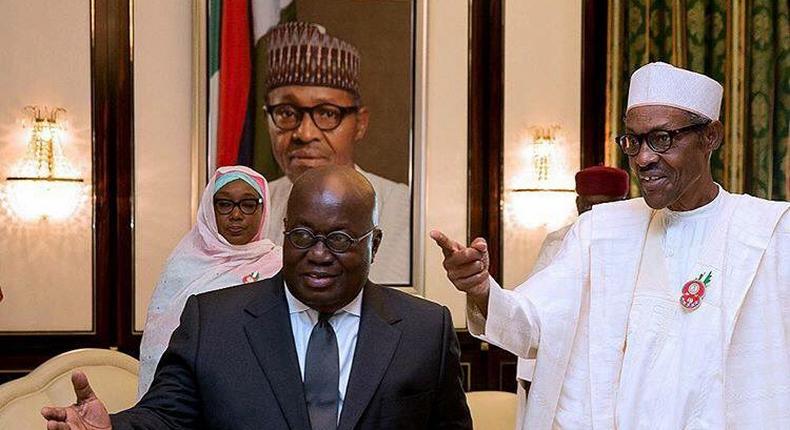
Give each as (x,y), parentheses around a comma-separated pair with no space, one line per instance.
(511,323)
(475,321)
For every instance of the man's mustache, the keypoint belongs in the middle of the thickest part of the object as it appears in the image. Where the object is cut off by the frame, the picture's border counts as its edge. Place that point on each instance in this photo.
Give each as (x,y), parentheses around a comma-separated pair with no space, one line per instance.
(652,169)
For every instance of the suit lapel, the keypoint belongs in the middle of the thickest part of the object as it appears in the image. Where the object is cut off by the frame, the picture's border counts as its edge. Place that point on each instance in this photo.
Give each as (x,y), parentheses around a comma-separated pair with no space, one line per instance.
(618,235)
(376,343)
(271,338)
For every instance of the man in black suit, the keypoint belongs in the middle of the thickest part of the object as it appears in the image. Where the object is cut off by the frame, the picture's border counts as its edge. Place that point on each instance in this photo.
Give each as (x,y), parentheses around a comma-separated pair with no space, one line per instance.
(316,347)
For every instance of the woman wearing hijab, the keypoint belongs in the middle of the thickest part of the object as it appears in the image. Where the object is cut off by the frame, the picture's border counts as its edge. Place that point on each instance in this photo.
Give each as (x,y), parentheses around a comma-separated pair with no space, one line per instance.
(223,249)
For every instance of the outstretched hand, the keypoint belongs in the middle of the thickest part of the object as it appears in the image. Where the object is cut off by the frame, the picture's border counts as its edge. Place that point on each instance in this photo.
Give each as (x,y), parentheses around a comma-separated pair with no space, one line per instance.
(467,267)
(88,413)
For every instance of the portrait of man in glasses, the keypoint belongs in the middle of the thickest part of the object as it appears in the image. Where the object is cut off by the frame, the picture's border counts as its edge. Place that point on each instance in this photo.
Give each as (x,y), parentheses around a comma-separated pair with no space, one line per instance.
(316,117)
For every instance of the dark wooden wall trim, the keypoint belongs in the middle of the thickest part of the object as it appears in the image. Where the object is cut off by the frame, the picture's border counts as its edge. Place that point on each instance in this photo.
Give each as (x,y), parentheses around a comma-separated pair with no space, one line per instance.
(120,68)
(593,75)
(111,94)
(486,125)
(486,367)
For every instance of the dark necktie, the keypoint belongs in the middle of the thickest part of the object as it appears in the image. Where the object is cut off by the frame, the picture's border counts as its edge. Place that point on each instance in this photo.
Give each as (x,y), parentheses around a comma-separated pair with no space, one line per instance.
(321,375)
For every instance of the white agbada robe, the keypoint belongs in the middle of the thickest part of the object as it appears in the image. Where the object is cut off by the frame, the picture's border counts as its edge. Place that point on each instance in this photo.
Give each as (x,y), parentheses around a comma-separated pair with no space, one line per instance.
(550,248)
(392,264)
(614,347)
(526,367)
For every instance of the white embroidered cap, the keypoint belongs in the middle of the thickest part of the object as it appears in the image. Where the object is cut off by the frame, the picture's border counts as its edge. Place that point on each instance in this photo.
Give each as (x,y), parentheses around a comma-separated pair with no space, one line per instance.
(666,85)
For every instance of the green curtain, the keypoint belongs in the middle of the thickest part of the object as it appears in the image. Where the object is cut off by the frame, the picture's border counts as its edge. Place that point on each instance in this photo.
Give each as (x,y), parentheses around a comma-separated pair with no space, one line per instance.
(743,44)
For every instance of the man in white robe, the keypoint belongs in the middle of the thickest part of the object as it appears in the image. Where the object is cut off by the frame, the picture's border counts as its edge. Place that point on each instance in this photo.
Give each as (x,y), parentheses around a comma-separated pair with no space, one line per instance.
(594,185)
(664,312)
(316,118)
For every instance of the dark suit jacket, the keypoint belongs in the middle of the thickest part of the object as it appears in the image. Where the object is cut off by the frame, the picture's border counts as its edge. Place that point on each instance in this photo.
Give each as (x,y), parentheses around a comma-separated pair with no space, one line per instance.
(232,364)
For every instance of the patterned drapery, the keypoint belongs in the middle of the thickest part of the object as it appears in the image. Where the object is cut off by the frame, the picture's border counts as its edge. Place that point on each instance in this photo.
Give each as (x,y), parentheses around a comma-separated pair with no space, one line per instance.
(743,44)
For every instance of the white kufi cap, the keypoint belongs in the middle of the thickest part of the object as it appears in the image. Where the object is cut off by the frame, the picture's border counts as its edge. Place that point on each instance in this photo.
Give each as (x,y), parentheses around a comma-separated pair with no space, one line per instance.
(666,85)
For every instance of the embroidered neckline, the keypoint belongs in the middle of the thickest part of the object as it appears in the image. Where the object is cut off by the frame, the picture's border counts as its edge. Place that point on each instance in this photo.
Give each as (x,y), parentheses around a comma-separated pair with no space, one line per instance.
(705,211)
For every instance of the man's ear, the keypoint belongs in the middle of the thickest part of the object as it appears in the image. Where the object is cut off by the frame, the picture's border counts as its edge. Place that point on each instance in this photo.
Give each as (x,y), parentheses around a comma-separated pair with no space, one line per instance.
(377,235)
(713,135)
(363,116)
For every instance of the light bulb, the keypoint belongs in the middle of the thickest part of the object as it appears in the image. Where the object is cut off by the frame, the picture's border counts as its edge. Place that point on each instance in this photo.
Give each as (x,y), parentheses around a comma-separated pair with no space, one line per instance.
(45,134)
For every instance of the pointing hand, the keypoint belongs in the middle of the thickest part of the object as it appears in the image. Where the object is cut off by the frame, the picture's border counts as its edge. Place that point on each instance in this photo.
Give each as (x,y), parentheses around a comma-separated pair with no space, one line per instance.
(467,267)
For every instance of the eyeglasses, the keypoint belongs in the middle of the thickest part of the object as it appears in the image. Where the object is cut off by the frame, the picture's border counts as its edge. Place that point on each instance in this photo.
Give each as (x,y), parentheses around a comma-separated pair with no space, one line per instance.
(658,140)
(336,241)
(246,206)
(325,116)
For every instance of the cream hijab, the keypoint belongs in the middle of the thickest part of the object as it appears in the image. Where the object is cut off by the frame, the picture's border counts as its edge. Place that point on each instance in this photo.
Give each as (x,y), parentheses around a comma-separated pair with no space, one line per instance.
(204,261)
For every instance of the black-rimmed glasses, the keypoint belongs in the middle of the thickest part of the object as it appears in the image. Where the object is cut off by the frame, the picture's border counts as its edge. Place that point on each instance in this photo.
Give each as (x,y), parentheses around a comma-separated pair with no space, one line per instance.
(336,241)
(246,206)
(325,116)
(658,140)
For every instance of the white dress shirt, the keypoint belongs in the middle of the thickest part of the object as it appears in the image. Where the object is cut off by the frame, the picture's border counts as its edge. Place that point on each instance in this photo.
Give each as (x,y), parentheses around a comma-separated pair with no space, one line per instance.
(345,323)
(686,233)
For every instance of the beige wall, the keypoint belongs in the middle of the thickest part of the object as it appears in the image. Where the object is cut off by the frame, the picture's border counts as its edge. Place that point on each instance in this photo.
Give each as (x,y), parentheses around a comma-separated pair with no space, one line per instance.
(446,143)
(163,132)
(46,266)
(542,87)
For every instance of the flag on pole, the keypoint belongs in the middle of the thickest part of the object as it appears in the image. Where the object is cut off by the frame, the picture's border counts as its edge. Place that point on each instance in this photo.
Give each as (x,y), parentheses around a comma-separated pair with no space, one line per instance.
(235,28)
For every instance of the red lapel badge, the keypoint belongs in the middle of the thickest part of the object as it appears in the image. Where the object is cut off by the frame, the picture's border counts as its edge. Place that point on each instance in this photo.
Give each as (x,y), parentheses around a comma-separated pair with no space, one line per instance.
(252,277)
(694,291)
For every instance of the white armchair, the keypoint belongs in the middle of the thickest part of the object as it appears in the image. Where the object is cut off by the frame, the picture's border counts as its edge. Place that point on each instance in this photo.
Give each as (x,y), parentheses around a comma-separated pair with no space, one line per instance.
(112,374)
(492,410)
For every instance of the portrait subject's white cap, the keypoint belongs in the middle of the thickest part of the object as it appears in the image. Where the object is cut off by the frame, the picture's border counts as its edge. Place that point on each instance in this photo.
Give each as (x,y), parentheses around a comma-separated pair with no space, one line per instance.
(663,84)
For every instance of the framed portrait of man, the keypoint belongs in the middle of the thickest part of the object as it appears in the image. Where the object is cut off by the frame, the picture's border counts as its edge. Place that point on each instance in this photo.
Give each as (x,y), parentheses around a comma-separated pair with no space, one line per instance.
(288,85)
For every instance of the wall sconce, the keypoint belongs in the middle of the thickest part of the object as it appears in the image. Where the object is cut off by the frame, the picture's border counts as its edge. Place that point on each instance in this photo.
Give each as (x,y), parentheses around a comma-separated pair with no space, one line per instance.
(43,184)
(541,194)
(544,151)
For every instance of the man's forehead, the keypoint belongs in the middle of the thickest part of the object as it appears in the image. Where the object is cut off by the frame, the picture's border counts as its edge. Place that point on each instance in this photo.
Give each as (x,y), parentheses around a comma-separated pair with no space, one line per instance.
(324,216)
(330,204)
(309,95)
(329,199)
(655,116)
(322,224)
